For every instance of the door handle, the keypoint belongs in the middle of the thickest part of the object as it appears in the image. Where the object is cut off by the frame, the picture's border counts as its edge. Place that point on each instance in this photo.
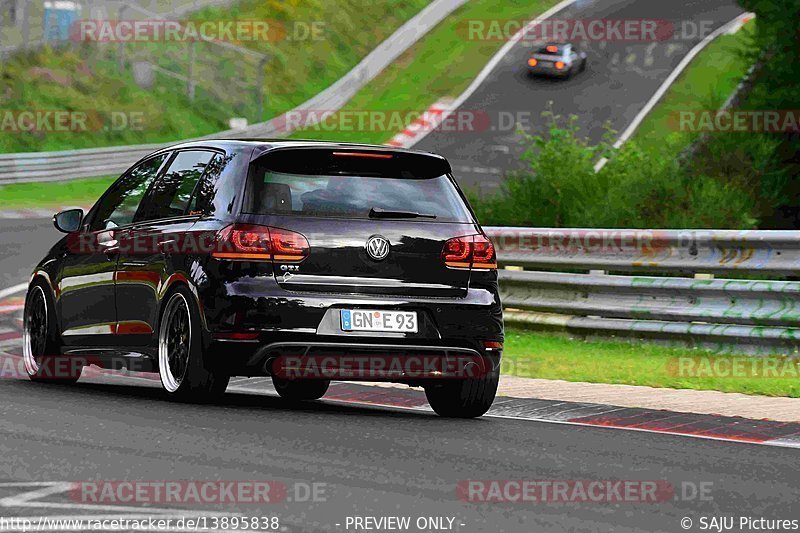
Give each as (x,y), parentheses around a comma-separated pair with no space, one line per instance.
(164,245)
(110,247)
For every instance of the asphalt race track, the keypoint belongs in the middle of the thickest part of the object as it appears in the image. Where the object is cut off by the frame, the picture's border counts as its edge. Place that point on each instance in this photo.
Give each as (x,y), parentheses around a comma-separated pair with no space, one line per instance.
(367,460)
(370,460)
(619,80)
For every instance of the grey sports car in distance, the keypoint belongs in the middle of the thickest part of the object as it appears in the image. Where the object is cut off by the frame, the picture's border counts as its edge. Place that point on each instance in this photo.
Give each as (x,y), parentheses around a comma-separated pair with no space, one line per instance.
(557,60)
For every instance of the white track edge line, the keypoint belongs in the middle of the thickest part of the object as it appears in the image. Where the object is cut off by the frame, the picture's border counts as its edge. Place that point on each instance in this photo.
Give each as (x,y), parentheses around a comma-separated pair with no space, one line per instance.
(494,61)
(662,90)
(5,293)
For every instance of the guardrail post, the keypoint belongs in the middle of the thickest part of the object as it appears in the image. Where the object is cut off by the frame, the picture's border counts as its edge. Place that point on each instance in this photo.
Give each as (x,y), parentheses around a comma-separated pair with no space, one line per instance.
(121,45)
(11,17)
(260,81)
(24,18)
(190,88)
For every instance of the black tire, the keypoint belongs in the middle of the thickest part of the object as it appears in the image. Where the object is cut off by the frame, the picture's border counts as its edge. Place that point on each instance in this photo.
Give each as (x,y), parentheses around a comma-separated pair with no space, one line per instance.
(301,389)
(41,342)
(184,362)
(583,66)
(464,398)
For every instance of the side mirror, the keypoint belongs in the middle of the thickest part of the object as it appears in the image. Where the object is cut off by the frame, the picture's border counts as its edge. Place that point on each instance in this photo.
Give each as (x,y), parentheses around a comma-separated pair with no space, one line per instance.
(69,220)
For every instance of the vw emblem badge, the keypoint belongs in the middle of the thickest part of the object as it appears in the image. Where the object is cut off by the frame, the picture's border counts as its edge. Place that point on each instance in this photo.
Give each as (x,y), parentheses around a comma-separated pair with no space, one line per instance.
(377,247)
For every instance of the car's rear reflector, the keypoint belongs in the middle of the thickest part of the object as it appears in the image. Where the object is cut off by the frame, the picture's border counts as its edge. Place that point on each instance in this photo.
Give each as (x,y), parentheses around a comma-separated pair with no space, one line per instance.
(250,242)
(493,345)
(471,251)
(365,155)
(237,336)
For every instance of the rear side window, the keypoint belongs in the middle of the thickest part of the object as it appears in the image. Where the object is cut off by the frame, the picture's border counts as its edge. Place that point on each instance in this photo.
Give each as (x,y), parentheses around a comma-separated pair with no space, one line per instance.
(354,196)
(171,194)
(205,194)
(551,49)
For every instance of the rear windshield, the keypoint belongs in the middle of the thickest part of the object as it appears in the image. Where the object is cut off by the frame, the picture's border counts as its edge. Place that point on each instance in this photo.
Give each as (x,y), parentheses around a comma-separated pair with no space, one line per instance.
(550,49)
(280,193)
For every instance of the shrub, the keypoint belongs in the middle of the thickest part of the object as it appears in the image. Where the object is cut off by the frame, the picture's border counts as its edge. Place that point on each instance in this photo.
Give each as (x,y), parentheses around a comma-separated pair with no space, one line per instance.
(635,189)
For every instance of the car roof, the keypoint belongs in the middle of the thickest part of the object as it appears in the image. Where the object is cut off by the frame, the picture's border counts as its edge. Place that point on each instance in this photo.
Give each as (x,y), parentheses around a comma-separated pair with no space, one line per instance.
(262,146)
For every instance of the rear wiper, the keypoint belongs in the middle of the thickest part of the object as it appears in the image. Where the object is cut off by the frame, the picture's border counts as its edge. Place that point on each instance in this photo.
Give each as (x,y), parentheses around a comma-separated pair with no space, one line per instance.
(377,212)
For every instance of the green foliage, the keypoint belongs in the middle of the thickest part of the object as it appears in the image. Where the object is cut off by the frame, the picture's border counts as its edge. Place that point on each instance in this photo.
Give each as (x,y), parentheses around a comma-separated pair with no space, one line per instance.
(635,189)
(63,80)
(766,163)
(86,79)
(778,33)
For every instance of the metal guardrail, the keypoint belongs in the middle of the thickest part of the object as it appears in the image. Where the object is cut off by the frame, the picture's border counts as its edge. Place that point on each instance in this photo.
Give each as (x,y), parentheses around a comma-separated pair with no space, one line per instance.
(687,305)
(70,164)
(633,250)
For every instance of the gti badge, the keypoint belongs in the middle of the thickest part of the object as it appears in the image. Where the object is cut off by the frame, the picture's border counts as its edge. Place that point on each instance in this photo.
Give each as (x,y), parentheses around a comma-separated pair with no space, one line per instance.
(377,247)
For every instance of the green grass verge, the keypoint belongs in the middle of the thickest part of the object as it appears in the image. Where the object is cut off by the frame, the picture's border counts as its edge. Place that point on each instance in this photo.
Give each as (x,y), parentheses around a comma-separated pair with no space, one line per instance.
(549,356)
(443,63)
(705,85)
(81,193)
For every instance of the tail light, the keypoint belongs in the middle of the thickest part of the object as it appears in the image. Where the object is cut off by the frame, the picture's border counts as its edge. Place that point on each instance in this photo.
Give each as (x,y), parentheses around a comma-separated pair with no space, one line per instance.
(288,245)
(250,242)
(552,49)
(532,62)
(473,251)
(560,65)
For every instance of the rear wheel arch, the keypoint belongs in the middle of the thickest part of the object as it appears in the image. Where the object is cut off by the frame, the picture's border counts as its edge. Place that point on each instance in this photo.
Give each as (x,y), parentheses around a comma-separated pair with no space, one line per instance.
(192,299)
(173,283)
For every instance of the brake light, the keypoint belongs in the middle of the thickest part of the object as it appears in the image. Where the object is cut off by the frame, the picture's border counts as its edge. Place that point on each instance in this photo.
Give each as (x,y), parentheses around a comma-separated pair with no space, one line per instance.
(288,245)
(473,251)
(363,154)
(552,49)
(559,65)
(483,255)
(456,252)
(532,62)
(260,243)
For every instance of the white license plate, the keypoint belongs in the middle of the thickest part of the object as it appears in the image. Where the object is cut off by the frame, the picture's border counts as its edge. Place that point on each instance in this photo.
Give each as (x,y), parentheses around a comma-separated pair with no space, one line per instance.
(370,320)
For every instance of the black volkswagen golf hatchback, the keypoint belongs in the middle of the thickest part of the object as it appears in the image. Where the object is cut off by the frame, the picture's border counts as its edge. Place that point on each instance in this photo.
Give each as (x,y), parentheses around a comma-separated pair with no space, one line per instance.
(304,261)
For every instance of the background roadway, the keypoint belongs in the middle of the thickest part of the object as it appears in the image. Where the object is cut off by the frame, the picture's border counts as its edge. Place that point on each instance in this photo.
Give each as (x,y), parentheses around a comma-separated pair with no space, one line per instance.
(619,80)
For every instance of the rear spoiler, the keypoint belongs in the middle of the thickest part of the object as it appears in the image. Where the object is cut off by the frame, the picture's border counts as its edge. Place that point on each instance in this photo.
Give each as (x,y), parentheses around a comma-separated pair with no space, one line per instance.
(354,161)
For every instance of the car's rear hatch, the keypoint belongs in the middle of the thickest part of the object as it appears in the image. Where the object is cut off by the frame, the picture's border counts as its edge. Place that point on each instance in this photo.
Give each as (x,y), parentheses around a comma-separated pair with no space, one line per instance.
(354,206)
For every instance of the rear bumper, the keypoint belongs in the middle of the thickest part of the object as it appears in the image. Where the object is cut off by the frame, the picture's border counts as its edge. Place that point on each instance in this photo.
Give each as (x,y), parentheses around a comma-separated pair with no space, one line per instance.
(551,72)
(260,307)
(252,322)
(366,361)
